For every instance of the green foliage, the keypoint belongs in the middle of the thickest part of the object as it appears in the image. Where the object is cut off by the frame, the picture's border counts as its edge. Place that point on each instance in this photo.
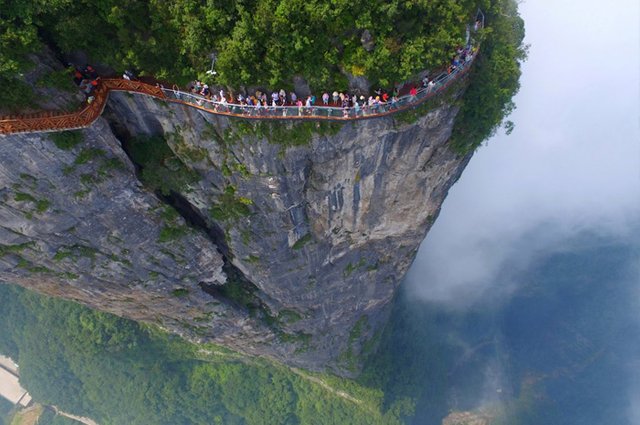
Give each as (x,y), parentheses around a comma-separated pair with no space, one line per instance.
(494,78)
(75,252)
(350,267)
(119,372)
(302,241)
(180,292)
(15,94)
(160,169)
(171,233)
(67,140)
(8,249)
(21,197)
(88,154)
(356,331)
(61,80)
(41,205)
(183,150)
(289,316)
(5,411)
(229,206)
(264,42)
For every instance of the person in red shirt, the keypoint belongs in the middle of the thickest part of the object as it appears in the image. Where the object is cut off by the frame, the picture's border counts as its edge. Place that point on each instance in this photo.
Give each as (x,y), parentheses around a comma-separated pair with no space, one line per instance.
(413,92)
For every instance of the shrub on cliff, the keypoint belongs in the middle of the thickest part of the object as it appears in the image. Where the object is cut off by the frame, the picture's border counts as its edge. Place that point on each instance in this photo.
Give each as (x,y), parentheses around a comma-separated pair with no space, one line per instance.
(262,42)
(494,80)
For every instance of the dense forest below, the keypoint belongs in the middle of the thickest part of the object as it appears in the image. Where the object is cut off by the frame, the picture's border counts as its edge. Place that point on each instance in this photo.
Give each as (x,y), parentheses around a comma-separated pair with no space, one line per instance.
(433,359)
(266,43)
(117,371)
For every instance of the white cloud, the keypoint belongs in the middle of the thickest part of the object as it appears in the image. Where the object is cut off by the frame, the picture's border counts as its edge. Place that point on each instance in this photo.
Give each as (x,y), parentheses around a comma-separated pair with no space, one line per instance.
(572,163)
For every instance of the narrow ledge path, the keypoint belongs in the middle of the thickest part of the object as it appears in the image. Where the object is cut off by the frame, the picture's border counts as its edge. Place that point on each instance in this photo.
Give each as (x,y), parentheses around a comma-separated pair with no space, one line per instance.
(61,121)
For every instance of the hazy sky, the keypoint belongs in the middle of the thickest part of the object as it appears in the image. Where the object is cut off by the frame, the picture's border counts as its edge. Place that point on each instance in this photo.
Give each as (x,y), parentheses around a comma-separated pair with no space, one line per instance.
(572,162)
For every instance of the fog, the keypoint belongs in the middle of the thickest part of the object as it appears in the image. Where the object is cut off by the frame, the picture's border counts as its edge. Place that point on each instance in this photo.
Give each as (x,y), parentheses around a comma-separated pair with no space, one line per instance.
(570,168)
(572,163)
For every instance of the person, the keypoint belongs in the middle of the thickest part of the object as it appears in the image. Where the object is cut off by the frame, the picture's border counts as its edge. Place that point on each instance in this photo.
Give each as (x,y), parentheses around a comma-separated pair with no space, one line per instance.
(336,96)
(91,86)
(222,98)
(425,81)
(77,77)
(283,96)
(413,92)
(299,105)
(128,75)
(469,56)
(90,72)
(275,97)
(294,98)
(431,85)
(325,99)
(385,97)
(345,107)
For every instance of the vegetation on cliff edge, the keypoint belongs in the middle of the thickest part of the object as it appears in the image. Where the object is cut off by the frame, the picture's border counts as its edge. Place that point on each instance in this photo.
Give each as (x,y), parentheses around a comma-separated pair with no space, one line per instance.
(258,42)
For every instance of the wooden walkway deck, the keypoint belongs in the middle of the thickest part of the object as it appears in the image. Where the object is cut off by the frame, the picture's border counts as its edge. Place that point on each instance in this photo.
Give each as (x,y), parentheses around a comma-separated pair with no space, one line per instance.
(53,122)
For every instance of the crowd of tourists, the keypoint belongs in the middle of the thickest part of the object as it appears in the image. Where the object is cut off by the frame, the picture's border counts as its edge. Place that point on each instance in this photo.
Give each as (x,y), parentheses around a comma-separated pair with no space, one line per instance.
(261,102)
(87,79)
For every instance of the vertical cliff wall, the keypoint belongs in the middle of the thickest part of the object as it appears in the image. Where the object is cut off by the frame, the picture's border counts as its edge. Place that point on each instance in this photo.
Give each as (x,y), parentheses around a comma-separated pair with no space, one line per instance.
(290,239)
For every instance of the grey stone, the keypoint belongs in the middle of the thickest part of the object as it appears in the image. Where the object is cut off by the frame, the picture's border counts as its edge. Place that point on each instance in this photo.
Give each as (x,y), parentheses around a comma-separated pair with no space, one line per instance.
(334,225)
(367,41)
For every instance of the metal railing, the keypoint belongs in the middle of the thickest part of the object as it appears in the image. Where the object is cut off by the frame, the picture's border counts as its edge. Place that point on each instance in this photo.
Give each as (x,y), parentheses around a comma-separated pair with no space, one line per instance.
(321,112)
(52,121)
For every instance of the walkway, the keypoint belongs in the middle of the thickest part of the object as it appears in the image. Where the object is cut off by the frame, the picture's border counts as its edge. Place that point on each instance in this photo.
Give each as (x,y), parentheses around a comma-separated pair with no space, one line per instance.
(57,121)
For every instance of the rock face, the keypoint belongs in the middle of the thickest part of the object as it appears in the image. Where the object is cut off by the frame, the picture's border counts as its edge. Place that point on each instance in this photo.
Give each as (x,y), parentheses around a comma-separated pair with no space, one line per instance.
(319,221)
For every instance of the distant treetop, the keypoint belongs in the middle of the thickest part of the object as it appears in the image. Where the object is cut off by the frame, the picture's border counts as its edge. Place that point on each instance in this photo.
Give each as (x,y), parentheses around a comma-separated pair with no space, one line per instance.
(255,42)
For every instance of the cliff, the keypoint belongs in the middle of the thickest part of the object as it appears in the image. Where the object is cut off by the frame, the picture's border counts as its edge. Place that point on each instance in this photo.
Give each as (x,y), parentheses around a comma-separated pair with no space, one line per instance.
(281,240)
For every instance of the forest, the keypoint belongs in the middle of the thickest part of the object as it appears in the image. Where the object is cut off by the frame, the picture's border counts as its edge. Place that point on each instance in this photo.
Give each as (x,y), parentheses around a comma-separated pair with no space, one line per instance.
(266,43)
(120,372)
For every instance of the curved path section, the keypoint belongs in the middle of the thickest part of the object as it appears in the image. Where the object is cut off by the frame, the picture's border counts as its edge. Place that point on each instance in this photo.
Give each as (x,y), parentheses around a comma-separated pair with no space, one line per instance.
(55,121)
